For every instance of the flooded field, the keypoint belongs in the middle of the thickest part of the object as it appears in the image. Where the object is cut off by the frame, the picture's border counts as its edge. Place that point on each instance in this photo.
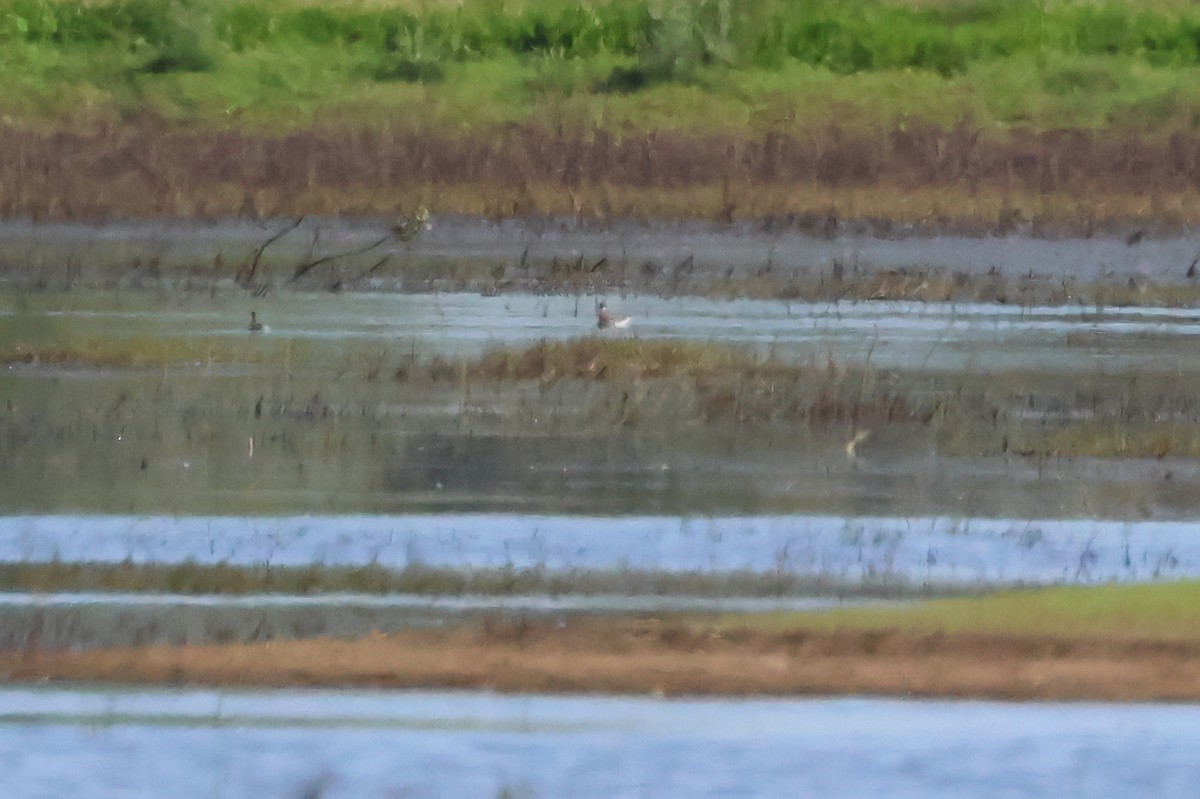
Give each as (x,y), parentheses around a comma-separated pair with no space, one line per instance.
(793,432)
(167,433)
(155,403)
(68,741)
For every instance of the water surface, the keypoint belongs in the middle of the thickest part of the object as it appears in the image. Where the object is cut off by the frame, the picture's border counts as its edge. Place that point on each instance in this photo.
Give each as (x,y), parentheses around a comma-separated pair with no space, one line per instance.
(924,551)
(69,742)
(914,335)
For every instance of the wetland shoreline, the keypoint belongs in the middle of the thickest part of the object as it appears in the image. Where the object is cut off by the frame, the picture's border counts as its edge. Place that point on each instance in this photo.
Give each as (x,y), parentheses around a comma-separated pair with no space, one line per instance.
(665,657)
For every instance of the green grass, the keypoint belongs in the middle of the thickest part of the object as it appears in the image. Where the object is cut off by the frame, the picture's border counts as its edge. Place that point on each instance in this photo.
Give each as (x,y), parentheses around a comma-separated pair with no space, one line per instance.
(192,578)
(152,352)
(614,359)
(786,65)
(1160,610)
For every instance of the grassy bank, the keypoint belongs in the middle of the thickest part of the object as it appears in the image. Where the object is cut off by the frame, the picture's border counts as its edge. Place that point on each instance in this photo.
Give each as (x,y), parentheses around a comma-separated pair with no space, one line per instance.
(672,657)
(781,65)
(985,115)
(1161,611)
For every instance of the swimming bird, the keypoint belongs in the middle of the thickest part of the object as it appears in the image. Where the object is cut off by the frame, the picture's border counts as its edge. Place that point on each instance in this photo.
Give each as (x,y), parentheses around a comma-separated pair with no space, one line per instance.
(255,325)
(605,319)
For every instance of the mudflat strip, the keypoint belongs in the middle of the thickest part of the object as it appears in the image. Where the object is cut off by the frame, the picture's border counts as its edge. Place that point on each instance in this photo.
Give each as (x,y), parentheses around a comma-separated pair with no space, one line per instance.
(662,657)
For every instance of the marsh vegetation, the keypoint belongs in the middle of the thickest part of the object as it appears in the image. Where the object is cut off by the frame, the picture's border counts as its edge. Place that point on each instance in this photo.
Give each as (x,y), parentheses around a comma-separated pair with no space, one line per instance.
(980,116)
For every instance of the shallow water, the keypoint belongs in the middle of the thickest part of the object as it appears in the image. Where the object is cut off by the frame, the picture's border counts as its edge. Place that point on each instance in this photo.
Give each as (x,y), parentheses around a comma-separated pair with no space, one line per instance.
(330,330)
(857,551)
(338,435)
(176,465)
(316,425)
(66,741)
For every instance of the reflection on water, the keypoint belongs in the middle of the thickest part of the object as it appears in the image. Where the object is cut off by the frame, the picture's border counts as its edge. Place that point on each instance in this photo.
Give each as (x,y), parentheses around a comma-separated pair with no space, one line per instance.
(64,742)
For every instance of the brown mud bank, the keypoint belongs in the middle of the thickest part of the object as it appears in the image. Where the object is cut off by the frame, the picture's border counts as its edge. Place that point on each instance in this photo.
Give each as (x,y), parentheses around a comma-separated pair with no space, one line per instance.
(650,656)
(960,181)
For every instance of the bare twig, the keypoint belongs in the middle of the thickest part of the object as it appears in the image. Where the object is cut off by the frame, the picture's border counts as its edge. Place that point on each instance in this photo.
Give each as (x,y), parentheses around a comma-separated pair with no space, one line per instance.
(305,268)
(248,271)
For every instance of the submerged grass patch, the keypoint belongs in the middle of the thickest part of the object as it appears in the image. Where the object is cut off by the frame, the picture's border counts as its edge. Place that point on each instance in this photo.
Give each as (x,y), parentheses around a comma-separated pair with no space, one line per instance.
(225,579)
(667,384)
(661,387)
(587,385)
(649,382)
(607,359)
(148,352)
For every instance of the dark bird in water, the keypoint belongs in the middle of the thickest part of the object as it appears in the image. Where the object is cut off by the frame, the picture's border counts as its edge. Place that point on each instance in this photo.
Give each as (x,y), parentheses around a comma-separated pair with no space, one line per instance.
(255,325)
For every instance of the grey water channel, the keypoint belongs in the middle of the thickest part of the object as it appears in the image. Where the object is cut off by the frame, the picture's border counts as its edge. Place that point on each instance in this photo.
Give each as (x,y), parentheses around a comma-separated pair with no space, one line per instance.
(330,330)
(64,741)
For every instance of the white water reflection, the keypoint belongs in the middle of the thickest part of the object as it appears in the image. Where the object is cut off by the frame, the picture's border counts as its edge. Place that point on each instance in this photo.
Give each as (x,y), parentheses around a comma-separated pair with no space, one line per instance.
(931,550)
(63,742)
(444,605)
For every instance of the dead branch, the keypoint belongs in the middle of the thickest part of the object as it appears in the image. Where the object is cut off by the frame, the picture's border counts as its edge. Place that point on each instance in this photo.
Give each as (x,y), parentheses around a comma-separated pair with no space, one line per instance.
(304,268)
(248,271)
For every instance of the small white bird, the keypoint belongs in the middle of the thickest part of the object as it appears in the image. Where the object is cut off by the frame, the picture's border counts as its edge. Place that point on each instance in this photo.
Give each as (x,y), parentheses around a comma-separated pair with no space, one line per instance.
(852,445)
(605,319)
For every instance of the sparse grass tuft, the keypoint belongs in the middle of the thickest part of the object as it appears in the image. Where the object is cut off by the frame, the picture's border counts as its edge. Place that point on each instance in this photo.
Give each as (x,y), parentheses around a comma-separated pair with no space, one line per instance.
(193,578)
(614,359)
(673,381)
(141,352)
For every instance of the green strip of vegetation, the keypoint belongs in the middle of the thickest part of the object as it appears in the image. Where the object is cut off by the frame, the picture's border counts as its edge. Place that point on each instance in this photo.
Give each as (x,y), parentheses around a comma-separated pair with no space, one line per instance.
(193,578)
(1159,610)
(845,36)
(484,62)
(151,352)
